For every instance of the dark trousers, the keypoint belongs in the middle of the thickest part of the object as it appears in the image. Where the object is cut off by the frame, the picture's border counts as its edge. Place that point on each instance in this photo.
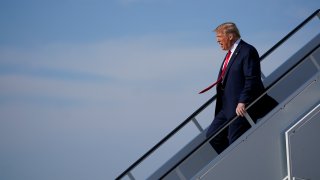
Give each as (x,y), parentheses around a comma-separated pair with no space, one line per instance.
(227,136)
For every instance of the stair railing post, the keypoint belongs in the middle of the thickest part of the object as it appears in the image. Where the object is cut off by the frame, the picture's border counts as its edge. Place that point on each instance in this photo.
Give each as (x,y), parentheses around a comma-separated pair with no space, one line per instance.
(196,123)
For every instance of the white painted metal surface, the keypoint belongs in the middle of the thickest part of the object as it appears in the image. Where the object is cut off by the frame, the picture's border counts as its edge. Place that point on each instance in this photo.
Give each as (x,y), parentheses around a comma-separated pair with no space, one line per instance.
(303,147)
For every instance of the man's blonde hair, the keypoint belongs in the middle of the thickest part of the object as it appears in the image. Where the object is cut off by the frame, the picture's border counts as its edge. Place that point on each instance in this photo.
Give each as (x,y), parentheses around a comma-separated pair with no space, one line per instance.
(228,28)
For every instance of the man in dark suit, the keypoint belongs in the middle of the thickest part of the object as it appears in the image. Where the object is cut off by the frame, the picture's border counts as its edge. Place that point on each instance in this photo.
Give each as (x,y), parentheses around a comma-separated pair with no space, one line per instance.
(239,83)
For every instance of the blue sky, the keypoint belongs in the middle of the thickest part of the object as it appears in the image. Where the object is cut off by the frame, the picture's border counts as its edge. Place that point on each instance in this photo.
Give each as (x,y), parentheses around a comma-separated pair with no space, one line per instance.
(88,86)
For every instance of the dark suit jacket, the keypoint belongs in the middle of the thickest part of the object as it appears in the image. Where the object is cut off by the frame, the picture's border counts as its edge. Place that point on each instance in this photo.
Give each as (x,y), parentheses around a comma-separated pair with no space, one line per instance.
(242,82)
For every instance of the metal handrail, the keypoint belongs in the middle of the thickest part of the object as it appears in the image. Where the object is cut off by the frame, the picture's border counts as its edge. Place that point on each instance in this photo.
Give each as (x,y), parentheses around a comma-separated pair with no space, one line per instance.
(174,131)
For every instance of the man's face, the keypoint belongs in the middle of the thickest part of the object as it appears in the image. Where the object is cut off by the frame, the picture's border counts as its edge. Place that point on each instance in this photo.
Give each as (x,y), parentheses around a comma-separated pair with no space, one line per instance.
(224,40)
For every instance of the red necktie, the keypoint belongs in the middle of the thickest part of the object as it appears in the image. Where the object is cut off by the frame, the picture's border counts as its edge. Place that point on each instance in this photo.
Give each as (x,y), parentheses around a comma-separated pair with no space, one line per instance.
(223,71)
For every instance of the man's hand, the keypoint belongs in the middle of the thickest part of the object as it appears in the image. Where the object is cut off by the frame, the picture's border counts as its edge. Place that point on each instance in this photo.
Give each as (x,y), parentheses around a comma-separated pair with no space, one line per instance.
(241,109)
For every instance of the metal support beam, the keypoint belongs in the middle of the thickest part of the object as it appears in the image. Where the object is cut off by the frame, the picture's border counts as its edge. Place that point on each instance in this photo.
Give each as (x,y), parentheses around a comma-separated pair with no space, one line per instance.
(195,121)
(315,62)
(249,119)
(180,174)
(130,176)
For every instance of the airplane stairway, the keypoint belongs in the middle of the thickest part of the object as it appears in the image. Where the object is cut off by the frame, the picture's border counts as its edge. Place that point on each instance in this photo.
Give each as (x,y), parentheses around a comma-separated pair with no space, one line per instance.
(283,145)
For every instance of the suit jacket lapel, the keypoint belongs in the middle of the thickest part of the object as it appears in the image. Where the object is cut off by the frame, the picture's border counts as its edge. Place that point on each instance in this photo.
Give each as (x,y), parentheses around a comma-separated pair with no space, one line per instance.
(233,58)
